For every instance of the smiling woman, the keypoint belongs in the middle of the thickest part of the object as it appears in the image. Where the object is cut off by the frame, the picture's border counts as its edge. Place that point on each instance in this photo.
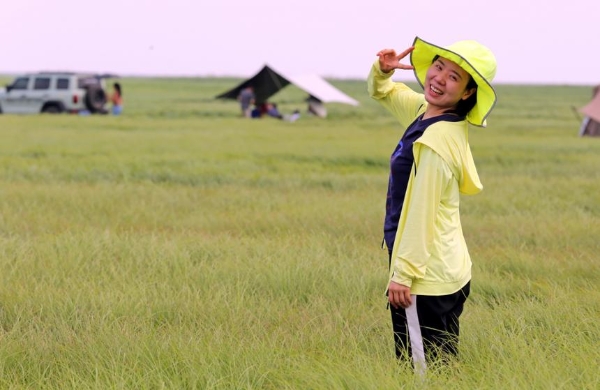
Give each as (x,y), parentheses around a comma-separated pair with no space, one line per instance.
(430,267)
(466,96)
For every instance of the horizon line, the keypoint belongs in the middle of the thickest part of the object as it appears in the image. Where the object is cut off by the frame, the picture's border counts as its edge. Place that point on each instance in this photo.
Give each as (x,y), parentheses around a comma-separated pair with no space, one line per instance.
(4,73)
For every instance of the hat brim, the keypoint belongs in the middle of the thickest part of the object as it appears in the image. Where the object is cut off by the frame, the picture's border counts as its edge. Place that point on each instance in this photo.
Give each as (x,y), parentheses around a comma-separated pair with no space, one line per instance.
(421,59)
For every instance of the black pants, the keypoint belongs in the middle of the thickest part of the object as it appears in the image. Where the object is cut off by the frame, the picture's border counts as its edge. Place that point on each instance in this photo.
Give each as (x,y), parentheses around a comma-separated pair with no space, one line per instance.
(437,320)
(434,325)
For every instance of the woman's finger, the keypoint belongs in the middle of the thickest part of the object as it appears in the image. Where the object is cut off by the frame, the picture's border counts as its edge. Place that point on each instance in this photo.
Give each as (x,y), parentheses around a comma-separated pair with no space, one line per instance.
(407,298)
(406,52)
(385,52)
(395,299)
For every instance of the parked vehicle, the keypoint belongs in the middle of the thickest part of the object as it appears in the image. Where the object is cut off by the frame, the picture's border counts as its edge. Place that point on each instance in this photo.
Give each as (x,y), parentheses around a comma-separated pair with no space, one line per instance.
(55,92)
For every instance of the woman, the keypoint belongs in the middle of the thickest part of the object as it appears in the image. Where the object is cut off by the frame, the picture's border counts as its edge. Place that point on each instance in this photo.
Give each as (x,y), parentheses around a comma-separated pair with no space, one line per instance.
(116,99)
(430,267)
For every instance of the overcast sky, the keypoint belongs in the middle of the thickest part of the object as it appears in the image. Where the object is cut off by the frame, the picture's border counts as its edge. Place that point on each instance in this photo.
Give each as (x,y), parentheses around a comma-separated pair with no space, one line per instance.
(535,41)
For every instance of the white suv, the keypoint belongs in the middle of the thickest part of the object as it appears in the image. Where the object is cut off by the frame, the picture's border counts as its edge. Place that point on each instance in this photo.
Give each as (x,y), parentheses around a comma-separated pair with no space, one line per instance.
(54,92)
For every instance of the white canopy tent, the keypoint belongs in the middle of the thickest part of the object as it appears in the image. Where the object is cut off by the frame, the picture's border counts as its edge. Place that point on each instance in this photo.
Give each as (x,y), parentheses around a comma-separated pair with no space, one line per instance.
(319,88)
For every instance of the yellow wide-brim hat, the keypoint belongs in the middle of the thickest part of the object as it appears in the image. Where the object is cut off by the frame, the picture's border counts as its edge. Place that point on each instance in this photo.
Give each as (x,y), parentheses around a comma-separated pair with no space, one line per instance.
(474,58)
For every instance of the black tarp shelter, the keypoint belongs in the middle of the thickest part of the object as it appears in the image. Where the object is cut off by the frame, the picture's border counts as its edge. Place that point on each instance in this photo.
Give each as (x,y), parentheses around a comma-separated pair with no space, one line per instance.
(268,82)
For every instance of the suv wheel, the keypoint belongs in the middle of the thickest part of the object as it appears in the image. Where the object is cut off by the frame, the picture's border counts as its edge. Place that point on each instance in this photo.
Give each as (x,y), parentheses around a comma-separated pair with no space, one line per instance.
(95,98)
(52,108)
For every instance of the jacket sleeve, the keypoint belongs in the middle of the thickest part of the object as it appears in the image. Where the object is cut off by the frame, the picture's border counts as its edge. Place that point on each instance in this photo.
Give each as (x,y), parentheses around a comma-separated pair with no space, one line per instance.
(404,103)
(431,176)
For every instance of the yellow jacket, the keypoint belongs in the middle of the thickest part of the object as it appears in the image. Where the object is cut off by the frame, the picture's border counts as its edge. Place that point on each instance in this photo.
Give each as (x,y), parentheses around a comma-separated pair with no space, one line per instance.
(430,253)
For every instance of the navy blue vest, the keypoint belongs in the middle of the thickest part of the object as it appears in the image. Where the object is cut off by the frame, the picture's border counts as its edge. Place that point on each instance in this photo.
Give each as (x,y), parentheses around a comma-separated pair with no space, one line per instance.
(400,165)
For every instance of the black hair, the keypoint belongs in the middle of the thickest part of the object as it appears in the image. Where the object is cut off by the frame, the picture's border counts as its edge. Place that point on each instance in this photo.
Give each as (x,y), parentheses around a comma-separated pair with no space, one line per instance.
(118,88)
(464,105)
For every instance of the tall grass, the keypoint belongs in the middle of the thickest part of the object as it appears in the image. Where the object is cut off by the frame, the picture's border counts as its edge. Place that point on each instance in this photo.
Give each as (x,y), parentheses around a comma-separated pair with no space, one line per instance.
(179,246)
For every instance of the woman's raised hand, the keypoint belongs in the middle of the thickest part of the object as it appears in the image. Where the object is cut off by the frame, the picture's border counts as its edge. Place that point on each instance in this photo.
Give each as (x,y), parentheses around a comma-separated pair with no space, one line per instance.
(389,60)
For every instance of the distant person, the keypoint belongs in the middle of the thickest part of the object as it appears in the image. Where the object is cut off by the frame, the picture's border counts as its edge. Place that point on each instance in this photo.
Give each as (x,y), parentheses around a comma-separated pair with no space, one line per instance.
(255,113)
(430,267)
(247,99)
(116,99)
(316,107)
(259,110)
(273,112)
(294,117)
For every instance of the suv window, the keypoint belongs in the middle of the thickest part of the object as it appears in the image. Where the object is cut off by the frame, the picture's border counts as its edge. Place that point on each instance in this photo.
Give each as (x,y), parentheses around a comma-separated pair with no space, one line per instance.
(41,83)
(62,84)
(21,83)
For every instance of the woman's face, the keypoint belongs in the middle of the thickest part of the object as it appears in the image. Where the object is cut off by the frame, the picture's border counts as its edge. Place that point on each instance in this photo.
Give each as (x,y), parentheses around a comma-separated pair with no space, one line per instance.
(446,84)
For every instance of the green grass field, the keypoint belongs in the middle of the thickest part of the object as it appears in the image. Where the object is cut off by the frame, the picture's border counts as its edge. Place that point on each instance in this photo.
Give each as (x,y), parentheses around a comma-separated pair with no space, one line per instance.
(182,247)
